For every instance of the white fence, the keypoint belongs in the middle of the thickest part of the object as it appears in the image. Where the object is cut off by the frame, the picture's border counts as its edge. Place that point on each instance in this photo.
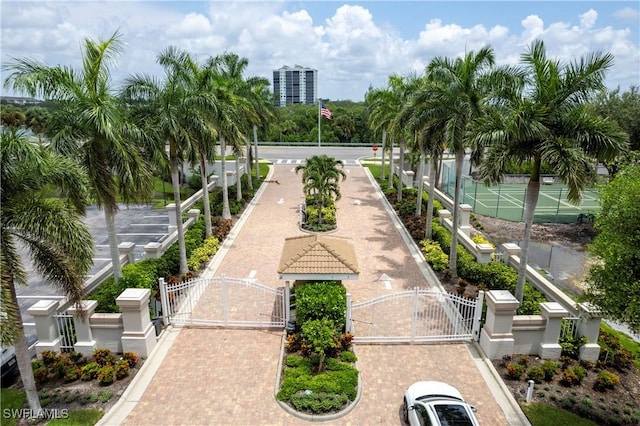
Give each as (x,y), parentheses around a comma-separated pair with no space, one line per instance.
(416,316)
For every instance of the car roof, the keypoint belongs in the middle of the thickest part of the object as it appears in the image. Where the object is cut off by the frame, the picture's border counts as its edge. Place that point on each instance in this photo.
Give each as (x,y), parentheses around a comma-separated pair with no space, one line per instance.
(432,389)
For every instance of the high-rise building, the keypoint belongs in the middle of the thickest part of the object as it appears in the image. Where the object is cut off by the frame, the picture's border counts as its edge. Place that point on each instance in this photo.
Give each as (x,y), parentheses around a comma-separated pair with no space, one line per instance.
(297,85)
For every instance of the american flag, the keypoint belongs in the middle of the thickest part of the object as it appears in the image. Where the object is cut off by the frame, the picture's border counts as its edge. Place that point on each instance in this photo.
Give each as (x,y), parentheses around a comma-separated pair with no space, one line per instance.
(325,112)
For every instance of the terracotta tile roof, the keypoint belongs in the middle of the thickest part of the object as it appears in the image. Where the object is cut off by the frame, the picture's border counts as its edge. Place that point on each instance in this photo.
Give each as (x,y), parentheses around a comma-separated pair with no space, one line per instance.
(318,254)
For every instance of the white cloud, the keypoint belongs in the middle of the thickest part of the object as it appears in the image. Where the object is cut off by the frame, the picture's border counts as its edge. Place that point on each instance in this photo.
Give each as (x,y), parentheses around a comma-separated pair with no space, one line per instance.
(628,14)
(350,47)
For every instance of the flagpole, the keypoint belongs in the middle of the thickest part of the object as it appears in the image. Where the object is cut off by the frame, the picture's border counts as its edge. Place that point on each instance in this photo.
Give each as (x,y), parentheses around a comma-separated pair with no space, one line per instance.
(319,120)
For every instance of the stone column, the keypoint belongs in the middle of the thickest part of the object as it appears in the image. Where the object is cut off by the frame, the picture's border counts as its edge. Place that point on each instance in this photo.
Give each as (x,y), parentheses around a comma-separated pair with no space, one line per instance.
(85,343)
(484,253)
(445,216)
(465,217)
(139,334)
(509,250)
(153,250)
(173,225)
(193,214)
(553,312)
(43,312)
(126,248)
(589,327)
(496,338)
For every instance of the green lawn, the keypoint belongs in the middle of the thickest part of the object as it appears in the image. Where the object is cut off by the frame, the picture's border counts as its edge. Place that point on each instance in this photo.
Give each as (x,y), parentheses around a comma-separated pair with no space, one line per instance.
(546,415)
(626,342)
(79,418)
(11,399)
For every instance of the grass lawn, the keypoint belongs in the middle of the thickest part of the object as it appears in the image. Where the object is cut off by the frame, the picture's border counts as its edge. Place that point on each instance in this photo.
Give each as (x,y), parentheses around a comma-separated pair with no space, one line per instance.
(626,342)
(546,415)
(79,418)
(11,399)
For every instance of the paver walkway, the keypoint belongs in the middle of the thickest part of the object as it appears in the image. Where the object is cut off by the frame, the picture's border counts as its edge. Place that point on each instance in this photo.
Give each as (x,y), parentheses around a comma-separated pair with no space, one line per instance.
(221,376)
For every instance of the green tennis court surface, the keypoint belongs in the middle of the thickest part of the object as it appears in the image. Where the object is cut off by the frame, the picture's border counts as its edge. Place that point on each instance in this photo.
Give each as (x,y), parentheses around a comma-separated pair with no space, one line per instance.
(507,202)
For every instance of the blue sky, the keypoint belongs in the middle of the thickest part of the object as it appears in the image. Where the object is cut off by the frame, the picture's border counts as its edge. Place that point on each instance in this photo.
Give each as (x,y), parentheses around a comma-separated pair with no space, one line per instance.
(353,45)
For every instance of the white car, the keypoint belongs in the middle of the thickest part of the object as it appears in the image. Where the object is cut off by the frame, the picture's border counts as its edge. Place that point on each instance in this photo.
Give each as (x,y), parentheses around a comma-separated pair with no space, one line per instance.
(437,404)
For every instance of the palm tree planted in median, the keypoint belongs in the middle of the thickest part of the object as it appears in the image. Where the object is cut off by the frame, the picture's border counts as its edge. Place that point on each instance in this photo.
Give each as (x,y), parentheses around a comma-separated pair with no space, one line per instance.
(544,118)
(43,198)
(320,177)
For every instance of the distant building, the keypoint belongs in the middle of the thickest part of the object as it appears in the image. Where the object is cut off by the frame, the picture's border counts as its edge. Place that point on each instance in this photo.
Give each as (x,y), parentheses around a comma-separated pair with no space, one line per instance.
(17,100)
(297,85)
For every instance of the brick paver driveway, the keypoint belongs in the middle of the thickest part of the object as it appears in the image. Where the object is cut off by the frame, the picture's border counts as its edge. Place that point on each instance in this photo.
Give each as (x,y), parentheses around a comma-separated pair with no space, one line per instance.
(222,376)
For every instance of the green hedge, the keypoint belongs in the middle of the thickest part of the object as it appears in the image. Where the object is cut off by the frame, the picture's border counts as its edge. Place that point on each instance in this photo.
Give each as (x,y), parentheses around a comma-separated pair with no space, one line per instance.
(318,300)
(489,276)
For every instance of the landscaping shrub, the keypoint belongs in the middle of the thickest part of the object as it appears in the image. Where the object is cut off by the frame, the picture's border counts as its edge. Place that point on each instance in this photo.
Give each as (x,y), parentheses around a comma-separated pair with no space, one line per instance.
(203,253)
(122,369)
(49,358)
(104,357)
(106,375)
(438,259)
(606,380)
(536,374)
(318,402)
(550,369)
(132,358)
(319,300)
(348,356)
(90,371)
(515,371)
(573,376)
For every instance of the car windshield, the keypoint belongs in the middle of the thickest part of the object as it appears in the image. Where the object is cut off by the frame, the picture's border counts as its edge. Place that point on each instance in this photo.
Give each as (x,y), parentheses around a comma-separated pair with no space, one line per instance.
(452,415)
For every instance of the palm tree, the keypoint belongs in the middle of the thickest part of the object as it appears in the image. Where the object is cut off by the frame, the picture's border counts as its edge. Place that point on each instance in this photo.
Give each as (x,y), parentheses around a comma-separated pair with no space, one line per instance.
(320,176)
(383,106)
(90,126)
(172,111)
(43,197)
(459,89)
(544,118)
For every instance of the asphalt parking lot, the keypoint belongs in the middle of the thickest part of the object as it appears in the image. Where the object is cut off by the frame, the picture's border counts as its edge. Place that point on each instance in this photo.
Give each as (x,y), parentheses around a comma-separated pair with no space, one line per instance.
(137,223)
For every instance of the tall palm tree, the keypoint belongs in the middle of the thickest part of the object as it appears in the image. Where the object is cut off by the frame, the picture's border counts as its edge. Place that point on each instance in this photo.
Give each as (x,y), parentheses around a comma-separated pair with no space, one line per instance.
(172,111)
(90,126)
(459,89)
(383,106)
(43,197)
(544,119)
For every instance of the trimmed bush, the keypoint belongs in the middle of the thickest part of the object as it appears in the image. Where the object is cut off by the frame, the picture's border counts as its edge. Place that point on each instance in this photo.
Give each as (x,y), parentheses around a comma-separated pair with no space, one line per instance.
(550,369)
(122,369)
(320,300)
(536,374)
(90,371)
(104,357)
(438,259)
(132,358)
(606,380)
(106,375)
(515,371)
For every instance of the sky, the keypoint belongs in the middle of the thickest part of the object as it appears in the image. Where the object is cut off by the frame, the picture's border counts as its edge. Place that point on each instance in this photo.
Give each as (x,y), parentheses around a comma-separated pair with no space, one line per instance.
(354,45)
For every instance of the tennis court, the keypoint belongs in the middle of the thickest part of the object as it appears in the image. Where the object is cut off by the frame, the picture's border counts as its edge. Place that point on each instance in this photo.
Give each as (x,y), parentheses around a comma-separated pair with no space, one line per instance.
(507,201)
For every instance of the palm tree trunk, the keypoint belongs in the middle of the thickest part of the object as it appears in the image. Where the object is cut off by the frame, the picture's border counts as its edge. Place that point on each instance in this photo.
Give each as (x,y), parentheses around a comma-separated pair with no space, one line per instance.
(439,170)
(432,192)
(238,180)
(391,164)
(248,164)
(110,220)
(533,190)
(401,169)
(255,153)
(175,182)
(383,149)
(453,253)
(24,360)
(420,184)
(205,196)
(226,212)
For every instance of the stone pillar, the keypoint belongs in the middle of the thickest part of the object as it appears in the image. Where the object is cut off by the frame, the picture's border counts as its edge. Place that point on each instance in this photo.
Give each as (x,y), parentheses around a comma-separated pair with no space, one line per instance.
(193,214)
(465,217)
(409,178)
(43,312)
(589,327)
(85,343)
(213,179)
(509,250)
(444,214)
(553,312)
(173,224)
(139,334)
(485,251)
(153,250)
(496,338)
(126,248)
